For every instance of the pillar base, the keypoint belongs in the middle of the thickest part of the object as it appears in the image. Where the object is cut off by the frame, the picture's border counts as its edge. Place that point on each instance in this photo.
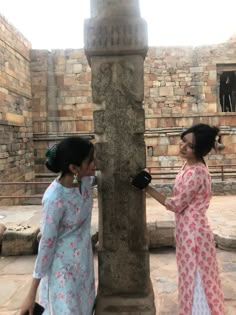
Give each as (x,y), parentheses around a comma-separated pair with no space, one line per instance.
(125,305)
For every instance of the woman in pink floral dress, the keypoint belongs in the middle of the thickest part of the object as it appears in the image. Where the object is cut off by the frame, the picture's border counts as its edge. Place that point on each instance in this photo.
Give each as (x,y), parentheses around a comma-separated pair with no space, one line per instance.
(64,265)
(199,284)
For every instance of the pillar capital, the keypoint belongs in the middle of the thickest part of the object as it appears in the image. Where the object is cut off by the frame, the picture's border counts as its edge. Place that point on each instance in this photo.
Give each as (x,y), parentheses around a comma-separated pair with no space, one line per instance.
(115,28)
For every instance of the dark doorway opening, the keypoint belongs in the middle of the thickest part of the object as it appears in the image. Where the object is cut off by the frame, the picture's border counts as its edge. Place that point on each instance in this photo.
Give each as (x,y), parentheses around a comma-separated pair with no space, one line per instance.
(228,91)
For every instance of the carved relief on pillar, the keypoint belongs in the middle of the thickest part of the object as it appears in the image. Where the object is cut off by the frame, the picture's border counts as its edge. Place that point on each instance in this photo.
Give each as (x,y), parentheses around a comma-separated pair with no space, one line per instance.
(117,89)
(116,36)
(119,75)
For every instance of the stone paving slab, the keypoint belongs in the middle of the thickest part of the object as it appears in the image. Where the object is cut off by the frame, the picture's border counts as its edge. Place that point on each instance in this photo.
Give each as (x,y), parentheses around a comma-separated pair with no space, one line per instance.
(222,209)
(221,214)
(15,271)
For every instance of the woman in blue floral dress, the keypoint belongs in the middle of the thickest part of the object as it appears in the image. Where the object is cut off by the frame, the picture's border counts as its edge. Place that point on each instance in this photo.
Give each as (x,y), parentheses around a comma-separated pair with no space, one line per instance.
(64,265)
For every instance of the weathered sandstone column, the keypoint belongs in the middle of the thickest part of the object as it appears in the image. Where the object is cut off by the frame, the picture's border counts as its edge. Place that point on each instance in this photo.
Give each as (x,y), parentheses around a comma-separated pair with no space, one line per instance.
(116,45)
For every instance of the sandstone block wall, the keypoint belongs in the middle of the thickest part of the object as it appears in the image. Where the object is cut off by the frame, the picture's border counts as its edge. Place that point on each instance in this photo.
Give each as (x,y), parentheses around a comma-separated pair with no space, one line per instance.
(45,96)
(16,134)
(181,88)
(185,80)
(163,142)
(62,102)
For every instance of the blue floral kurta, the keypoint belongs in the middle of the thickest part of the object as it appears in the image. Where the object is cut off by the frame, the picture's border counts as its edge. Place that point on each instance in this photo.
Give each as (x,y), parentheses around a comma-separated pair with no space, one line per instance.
(65,259)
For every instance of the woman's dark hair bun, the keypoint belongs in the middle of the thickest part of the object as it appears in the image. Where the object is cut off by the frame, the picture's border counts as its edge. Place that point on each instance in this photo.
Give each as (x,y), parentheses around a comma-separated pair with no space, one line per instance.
(71,150)
(51,162)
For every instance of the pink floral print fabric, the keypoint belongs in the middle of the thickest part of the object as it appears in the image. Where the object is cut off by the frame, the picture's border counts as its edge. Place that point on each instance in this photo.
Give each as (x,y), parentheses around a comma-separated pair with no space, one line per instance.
(65,259)
(195,247)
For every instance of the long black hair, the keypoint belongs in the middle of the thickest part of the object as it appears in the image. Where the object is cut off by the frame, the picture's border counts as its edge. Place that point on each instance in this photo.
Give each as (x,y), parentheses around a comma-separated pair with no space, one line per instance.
(204,139)
(71,150)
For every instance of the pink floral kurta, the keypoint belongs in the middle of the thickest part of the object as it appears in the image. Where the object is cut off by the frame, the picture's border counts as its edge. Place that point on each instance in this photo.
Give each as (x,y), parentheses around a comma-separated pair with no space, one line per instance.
(195,247)
(65,259)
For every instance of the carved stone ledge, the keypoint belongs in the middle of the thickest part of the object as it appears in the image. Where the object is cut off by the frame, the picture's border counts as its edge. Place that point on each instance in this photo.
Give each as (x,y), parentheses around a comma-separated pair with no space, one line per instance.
(20,240)
(225,238)
(161,234)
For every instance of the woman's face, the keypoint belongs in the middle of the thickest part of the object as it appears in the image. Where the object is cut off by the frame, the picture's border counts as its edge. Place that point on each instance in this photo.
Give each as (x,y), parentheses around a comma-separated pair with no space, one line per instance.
(88,167)
(186,147)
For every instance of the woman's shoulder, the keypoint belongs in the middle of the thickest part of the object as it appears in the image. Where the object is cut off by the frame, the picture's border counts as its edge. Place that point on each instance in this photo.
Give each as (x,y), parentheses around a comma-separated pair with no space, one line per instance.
(54,186)
(199,169)
(54,191)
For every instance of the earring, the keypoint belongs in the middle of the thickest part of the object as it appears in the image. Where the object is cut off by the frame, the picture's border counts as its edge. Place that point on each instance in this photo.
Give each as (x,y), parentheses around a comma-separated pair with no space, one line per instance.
(75,179)
(220,146)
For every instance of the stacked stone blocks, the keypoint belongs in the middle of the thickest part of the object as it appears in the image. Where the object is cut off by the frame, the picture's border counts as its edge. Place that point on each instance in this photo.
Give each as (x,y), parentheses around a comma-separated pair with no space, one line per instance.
(16,145)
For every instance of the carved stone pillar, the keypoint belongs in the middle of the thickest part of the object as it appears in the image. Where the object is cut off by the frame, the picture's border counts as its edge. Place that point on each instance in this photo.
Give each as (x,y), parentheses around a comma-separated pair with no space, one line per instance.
(116,45)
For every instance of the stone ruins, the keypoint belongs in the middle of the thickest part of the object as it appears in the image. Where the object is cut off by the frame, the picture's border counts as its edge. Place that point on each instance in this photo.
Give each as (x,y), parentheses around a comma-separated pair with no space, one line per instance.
(47,95)
(133,101)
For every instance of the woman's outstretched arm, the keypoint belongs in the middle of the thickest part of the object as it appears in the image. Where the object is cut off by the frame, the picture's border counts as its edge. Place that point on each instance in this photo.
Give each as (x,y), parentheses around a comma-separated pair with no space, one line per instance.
(156,195)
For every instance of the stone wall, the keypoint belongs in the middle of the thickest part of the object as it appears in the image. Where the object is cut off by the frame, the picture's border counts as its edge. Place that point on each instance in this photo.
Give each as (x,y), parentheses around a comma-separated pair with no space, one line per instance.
(185,80)
(163,142)
(218,188)
(181,88)
(62,102)
(16,144)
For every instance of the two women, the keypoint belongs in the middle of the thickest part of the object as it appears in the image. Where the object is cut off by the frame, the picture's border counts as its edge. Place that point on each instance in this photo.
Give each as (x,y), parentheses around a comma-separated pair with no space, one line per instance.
(64,266)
